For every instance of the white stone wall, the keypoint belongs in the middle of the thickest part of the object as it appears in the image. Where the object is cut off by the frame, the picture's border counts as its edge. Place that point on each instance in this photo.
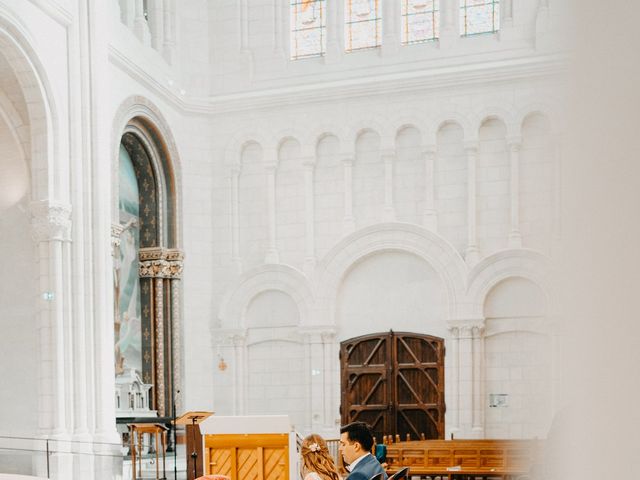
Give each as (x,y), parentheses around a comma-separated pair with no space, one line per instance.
(343,184)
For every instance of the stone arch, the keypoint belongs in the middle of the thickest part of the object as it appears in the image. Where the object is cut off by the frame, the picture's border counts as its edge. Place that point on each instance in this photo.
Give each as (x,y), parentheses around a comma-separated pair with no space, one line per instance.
(495,268)
(42,146)
(427,245)
(148,259)
(150,125)
(498,113)
(462,121)
(317,134)
(544,109)
(377,125)
(266,277)
(234,148)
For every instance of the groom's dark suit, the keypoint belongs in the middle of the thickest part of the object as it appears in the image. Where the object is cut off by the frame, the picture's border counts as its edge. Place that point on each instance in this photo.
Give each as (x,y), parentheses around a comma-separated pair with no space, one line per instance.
(366,468)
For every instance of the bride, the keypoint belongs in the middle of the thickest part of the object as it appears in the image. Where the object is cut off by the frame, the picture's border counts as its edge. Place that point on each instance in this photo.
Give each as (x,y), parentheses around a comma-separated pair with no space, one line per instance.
(317,463)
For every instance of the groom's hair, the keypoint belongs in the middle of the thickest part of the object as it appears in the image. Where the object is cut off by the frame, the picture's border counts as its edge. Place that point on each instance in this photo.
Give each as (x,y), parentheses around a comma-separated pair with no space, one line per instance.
(359,432)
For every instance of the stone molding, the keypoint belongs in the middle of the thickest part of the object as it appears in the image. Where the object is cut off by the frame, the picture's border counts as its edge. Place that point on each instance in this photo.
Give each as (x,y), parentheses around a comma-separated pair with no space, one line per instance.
(50,221)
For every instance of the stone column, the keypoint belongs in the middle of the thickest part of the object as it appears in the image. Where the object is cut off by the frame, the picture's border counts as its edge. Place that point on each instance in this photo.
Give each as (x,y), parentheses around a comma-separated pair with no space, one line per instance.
(127,12)
(51,225)
(515,237)
(234,180)
(175,260)
(330,389)
(140,26)
(309,206)
(430,215)
(477,333)
(348,222)
(272,250)
(391,39)
(472,254)
(335,31)
(449,29)
(389,214)
(168,31)
(240,358)
(243,27)
(278,28)
(453,401)
(156,24)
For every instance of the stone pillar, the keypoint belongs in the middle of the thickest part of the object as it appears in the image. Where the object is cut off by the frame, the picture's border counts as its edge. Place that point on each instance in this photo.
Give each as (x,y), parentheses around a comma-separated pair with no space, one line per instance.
(477,334)
(330,389)
(51,225)
(310,249)
(348,222)
(391,38)
(176,264)
(234,180)
(156,24)
(127,12)
(465,380)
(389,214)
(515,237)
(140,26)
(168,31)
(335,31)
(243,27)
(240,358)
(272,250)
(453,400)
(278,24)
(472,254)
(430,215)
(449,29)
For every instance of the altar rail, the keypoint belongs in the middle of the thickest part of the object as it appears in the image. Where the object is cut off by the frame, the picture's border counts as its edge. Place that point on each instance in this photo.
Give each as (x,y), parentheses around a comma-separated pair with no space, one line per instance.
(464,458)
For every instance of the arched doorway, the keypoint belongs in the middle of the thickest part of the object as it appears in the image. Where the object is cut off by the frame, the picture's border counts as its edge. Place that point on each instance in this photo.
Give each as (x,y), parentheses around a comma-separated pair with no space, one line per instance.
(394,381)
(147,273)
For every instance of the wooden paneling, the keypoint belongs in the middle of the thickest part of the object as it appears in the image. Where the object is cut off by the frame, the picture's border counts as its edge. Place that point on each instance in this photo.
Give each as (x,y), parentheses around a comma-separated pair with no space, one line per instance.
(248,456)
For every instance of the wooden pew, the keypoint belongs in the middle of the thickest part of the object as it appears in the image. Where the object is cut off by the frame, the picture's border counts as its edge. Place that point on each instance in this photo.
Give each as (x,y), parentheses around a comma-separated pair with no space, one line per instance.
(457,459)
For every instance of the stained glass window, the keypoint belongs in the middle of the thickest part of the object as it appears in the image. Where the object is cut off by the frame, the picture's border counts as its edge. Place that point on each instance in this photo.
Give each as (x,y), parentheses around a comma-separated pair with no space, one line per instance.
(308,28)
(420,20)
(363,27)
(479,16)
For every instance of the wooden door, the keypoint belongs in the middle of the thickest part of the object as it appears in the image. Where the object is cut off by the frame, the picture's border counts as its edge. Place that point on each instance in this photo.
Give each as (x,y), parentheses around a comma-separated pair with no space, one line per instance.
(394,381)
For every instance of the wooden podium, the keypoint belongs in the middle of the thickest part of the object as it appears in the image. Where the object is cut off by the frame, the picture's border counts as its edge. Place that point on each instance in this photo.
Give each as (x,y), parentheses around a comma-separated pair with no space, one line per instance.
(195,458)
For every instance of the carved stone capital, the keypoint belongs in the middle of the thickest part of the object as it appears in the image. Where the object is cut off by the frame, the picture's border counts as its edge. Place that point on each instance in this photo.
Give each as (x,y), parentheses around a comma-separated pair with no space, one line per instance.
(232,337)
(471,328)
(50,221)
(160,263)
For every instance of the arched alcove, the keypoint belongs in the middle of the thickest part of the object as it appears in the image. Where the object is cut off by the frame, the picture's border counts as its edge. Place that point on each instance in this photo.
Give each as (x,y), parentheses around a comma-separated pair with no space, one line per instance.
(328,191)
(409,178)
(391,290)
(538,183)
(276,375)
(18,294)
(147,266)
(252,208)
(517,360)
(290,203)
(492,190)
(368,179)
(451,185)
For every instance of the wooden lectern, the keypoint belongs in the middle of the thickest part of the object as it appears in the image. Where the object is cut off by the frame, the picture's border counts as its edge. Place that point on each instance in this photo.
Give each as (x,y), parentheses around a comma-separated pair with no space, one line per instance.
(195,458)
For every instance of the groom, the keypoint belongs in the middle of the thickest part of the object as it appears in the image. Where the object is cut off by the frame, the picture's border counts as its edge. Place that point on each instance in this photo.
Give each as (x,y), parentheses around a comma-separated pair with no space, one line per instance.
(356,441)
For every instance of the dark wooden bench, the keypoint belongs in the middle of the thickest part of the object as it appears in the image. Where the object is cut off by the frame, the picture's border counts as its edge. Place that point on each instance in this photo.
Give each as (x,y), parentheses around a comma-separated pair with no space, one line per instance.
(464,459)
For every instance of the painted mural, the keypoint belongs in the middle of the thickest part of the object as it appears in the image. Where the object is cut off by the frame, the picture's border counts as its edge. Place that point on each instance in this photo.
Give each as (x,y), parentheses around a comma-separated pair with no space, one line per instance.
(128,347)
